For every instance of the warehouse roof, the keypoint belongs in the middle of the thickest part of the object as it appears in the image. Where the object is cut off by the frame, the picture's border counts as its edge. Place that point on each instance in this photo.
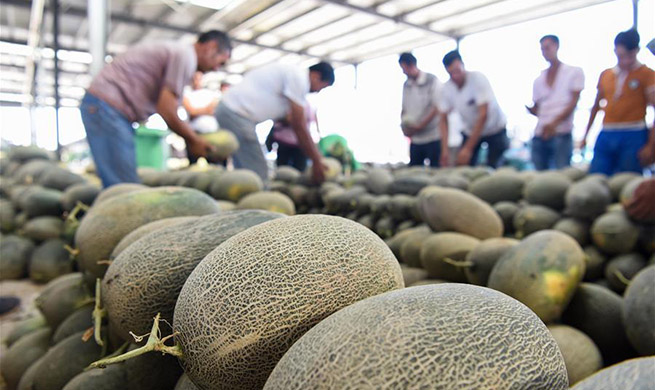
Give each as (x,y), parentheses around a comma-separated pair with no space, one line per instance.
(293,31)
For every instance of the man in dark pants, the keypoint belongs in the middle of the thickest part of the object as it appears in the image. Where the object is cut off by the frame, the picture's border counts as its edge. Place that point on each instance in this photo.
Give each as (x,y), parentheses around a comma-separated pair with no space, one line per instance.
(147,78)
(470,95)
(420,115)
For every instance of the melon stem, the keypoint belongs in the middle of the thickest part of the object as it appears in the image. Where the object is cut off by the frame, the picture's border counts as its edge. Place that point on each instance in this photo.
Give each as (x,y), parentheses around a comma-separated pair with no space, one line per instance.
(619,275)
(155,343)
(98,314)
(457,263)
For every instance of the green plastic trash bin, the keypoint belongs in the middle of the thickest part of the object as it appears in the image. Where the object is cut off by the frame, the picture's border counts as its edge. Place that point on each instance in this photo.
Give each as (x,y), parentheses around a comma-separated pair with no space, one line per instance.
(151,148)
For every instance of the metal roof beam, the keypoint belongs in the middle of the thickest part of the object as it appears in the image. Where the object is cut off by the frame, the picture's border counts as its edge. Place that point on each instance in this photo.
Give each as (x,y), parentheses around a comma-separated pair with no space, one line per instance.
(396,19)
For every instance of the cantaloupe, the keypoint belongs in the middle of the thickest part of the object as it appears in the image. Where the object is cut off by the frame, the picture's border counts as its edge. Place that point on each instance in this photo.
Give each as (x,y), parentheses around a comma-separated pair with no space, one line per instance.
(448,336)
(267,200)
(146,278)
(634,374)
(441,253)
(596,311)
(448,209)
(116,190)
(378,181)
(581,355)
(146,229)
(252,297)
(106,224)
(639,311)
(543,272)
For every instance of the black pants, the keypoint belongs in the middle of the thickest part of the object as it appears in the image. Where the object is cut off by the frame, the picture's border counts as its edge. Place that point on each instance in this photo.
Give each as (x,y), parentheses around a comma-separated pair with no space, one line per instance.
(418,153)
(292,156)
(497,145)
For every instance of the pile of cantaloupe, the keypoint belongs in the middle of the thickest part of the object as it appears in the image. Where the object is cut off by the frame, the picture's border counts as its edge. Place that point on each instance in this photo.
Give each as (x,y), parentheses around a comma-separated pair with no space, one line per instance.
(402,278)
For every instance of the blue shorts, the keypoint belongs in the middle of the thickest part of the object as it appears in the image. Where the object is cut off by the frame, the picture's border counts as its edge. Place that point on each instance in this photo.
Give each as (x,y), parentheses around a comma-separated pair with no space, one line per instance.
(617,151)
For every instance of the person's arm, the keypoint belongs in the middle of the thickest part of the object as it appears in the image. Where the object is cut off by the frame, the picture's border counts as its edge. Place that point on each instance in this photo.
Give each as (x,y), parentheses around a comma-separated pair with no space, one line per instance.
(534,109)
(592,118)
(167,107)
(465,153)
(443,128)
(647,152)
(299,126)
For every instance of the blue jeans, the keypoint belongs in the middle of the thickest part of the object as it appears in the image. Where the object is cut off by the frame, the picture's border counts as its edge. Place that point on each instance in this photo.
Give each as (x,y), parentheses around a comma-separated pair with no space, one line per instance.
(617,151)
(553,153)
(497,145)
(418,153)
(111,139)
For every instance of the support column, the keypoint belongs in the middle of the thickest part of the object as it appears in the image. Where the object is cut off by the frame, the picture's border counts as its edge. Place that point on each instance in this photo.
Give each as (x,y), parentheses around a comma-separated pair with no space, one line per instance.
(635,13)
(97,20)
(55,47)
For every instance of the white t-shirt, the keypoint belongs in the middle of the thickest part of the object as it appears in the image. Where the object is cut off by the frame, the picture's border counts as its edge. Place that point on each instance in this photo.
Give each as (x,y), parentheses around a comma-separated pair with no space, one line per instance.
(465,101)
(551,101)
(419,96)
(199,98)
(265,92)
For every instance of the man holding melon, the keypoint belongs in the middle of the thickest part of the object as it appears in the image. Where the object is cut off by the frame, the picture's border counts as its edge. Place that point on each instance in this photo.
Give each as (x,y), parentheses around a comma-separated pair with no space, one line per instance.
(148,78)
(271,92)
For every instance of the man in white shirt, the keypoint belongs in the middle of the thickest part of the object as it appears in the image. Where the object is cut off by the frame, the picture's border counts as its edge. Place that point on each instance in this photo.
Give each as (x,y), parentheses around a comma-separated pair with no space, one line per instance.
(470,95)
(271,92)
(420,115)
(555,94)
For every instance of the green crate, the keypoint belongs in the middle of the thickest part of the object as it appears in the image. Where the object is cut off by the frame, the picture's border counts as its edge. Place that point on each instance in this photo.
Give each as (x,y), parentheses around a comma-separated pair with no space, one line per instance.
(152,151)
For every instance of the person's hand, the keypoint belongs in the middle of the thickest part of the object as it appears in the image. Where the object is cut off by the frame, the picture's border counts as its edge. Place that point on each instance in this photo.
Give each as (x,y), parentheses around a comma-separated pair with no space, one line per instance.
(410,130)
(548,131)
(532,110)
(198,147)
(647,154)
(642,206)
(583,143)
(444,159)
(464,156)
(318,171)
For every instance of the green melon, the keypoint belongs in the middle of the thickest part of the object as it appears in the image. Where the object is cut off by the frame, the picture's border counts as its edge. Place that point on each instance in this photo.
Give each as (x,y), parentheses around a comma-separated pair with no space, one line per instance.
(287,174)
(49,261)
(618,181)
(106,224)
(595,263)
(431,337)
(621,269)
(7,216)
(152,372)
(378,181)
(409,185)
(576,228)
(543,272)
(30,172)
(581,355)
(224,142)
(401,207)
(639,311)
(61,297)
(23,327)
(412,275)
(531,219)
(234,185)
(483,257)
(185,384)
(574,173)
(507,211)
(139,282)
(385,227)
(43,228)
(440,253)
(587,199)
(547,189)
(634,374)
(23,154)
(14,256)
(78,321)
(614,233)
(498,187)
(252,297)
(451,180)
(410,249)
(456,210)
(83,193)
(22,354)
(269,201)
(111,378)
(59,179)
(596,311)
(399,238)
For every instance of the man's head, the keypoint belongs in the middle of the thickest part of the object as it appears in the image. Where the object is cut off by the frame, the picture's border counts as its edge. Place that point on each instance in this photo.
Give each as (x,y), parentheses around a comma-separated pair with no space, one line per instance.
(408,64)
(549,47)
(455,67)
(213,49)
(321,75)
(626,47)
